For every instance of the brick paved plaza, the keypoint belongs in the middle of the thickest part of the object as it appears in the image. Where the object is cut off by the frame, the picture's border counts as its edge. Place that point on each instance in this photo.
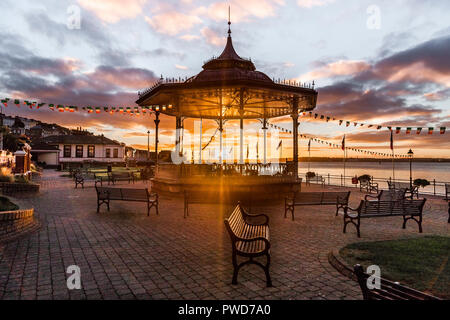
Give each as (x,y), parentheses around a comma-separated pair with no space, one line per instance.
(124,254)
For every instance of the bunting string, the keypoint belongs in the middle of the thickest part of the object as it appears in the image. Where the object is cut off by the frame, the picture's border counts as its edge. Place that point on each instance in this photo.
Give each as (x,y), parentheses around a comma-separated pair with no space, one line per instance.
(397,130)
(138,110)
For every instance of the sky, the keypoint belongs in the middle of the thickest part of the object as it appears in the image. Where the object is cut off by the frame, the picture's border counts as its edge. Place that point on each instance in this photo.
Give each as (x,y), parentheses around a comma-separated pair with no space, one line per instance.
(379,62)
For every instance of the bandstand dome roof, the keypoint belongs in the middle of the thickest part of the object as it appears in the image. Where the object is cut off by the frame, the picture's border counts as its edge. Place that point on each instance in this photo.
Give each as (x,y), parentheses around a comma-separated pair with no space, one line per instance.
(228,87)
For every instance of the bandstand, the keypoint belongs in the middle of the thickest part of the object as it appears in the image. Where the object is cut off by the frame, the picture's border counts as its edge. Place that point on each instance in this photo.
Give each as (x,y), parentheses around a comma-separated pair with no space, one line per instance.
(228,88)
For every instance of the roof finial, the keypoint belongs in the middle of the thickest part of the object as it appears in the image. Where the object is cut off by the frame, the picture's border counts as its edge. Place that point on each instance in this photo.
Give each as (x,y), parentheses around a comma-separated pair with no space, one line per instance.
(229,21)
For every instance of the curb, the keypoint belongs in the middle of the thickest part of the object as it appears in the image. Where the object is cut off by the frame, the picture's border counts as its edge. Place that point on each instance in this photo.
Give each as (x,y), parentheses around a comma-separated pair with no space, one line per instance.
(336,261)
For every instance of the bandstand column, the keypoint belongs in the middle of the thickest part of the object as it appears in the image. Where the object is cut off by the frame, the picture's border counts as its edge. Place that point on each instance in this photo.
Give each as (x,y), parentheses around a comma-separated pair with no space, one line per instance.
(294,116)
(241,126)
(220,141)
(177,134)
(200,143)
(156,137)
(265,140)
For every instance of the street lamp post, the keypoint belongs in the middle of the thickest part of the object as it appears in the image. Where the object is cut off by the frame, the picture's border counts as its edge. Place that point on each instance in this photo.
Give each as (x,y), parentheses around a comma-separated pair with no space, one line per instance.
(148,145)
(410,155)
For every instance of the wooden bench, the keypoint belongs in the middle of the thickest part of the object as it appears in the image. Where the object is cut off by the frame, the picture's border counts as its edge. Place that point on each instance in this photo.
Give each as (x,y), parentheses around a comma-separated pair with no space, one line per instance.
(107,194)
(82,177)
(389,195)
(121,176)
(409,209)
(339,199)
(388,290)
(447,191)
(250,239)
(368,185)
(412,190)
(316,179)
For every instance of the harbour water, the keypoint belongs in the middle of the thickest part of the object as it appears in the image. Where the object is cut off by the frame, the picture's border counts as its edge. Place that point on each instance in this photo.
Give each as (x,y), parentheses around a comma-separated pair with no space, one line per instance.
(437,173)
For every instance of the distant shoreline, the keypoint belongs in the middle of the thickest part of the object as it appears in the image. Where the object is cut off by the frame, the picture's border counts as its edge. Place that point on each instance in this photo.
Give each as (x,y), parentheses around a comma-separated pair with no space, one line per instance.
(323,159)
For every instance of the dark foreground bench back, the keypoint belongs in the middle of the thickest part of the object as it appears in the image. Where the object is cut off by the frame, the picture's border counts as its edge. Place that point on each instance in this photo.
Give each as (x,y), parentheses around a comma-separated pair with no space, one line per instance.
(122,194)
(388,290)
(387,208)
(320,198)
(392,195)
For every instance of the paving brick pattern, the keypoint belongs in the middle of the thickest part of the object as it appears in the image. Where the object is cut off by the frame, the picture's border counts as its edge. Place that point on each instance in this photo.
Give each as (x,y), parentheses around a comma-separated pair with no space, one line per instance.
(123,254)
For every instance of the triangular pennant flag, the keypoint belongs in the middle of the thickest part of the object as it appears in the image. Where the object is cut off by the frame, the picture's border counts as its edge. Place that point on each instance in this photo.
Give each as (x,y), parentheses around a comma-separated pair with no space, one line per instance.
(408,130)
(419,130)
(430,130)
(442,130)
(397,130)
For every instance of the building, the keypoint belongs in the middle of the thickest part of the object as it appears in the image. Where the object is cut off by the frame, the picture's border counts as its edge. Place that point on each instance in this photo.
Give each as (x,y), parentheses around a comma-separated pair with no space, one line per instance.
(77,150)
(9,121)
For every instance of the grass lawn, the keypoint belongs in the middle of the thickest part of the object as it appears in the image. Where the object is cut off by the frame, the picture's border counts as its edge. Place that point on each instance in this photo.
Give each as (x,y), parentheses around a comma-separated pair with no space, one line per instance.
(6,205)
(421,263)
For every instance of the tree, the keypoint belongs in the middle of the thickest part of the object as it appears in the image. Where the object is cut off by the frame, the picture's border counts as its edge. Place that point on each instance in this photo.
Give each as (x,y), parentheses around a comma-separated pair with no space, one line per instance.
(11,142)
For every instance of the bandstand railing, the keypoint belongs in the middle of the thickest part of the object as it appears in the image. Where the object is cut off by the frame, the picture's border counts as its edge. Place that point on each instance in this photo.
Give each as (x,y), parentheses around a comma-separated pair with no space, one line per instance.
(235,169)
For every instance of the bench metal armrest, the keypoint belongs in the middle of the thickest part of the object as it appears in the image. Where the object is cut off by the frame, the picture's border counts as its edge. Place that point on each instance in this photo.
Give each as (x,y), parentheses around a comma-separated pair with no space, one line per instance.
(252,216)
(267,242)
(153,195)
(374,184)
(351,209)
(370,196)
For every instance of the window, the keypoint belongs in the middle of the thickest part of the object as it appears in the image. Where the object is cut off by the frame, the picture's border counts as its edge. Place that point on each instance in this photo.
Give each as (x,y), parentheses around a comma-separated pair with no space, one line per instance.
(91,151)
(67,151)
(79,151)
(108,152)
(116,153)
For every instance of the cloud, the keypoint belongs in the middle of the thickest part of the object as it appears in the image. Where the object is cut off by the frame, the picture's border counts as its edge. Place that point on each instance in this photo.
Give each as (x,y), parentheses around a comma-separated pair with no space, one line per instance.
(313,3)
(172,22)
(335,69)
(427,62)
(111,11)
(241,10)
(91,33)
(189,37)
(132,78)
(135,134)
(181,67)
(213,37)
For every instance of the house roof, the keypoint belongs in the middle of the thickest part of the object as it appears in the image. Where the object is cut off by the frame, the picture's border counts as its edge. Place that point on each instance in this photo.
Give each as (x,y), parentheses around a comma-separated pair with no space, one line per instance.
(43,146)
(77,139)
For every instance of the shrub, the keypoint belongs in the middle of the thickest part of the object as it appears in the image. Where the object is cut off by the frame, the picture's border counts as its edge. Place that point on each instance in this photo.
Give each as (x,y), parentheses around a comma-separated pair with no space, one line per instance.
(421,182)
(5,175)
(21,179)
(364,177)
(310,174)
